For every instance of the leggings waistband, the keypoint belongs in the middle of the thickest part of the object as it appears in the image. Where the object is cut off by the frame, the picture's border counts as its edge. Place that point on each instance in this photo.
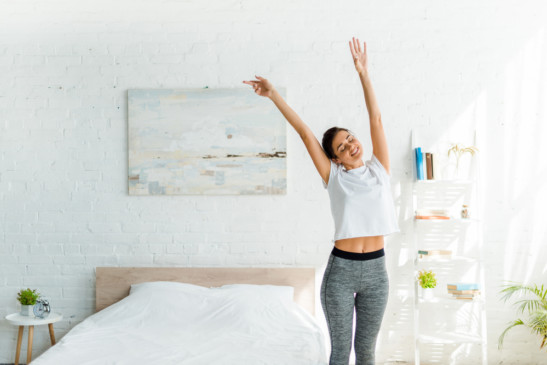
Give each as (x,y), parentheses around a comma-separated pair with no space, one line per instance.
(360,256)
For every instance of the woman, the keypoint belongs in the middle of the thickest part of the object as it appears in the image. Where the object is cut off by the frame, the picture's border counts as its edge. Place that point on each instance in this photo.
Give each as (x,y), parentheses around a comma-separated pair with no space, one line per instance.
(362,207)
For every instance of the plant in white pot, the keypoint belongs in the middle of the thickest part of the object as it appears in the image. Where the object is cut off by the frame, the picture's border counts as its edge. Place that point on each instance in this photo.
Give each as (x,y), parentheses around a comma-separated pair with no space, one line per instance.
(428,282)
(27,298)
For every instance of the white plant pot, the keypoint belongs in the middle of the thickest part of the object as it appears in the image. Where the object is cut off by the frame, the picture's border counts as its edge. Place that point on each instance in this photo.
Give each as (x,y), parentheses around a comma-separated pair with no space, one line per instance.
(452,169)
(449,171)
(428,293)
(465,166)
(26,310)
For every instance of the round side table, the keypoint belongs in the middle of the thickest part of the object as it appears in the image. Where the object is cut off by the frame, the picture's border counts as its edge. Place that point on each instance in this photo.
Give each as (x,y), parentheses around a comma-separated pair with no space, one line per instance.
(18,320)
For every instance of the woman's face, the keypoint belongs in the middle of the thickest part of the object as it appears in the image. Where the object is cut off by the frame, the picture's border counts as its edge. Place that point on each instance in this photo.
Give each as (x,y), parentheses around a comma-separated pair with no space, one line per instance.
(347,148)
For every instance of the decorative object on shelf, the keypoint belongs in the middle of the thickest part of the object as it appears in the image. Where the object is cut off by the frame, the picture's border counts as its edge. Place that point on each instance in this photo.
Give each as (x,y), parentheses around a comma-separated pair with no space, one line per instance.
(41,308)
(27,298)
(536,308)
(428,282)
(459,151)
(465,211)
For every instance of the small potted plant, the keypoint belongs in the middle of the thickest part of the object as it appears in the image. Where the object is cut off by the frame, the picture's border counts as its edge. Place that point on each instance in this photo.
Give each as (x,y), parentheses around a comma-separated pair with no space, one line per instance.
(27,298)
(428,282)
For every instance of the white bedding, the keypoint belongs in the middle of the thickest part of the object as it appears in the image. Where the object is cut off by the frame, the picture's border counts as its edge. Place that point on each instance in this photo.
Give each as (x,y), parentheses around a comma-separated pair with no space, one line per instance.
(174,323)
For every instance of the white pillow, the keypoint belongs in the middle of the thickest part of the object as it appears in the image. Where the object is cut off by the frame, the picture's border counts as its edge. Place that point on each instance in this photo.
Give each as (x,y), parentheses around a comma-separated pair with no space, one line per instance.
(161,286)
(263,293)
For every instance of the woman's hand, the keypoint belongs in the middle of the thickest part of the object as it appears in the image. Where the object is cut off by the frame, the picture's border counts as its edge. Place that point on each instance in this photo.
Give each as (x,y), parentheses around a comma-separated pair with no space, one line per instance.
(359,57)
(261,86)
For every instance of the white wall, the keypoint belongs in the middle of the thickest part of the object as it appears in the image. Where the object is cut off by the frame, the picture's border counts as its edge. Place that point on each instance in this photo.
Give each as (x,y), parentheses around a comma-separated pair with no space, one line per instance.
(436,66)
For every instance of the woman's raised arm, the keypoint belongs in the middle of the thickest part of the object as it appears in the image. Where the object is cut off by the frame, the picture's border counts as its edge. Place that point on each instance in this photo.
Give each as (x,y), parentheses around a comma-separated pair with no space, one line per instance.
(379,141)
(263,87)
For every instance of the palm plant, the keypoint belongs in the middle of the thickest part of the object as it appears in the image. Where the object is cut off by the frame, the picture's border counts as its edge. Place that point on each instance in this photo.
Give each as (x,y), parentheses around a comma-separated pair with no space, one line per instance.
(536,308)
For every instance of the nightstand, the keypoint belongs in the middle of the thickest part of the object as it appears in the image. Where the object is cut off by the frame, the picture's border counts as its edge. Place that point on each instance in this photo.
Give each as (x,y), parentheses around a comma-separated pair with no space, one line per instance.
(18,320)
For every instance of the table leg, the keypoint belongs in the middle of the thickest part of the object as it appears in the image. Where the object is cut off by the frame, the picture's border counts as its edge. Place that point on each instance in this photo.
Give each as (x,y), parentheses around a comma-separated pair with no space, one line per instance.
(51,334)
(19,340)
(29,347)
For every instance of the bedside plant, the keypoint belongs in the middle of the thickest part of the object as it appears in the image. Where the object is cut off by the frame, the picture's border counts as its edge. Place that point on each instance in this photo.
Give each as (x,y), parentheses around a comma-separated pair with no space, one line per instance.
(27,298)
(536,308)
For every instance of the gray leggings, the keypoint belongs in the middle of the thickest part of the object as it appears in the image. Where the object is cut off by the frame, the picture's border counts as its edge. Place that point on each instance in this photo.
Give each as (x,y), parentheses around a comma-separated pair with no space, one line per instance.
(354,281)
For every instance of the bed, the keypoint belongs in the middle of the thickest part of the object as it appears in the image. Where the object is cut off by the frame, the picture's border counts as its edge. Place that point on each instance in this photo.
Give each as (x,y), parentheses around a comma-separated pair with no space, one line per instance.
(197,316)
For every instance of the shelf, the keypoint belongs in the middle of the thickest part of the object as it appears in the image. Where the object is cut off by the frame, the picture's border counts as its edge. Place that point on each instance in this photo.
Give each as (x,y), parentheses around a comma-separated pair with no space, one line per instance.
(450,338)
(439,259)
(450,300)
(444,221)
(445,320)
(447,182)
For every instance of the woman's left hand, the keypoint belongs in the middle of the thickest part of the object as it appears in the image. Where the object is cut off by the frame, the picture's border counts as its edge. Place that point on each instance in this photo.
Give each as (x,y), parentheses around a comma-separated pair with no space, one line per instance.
(359,56)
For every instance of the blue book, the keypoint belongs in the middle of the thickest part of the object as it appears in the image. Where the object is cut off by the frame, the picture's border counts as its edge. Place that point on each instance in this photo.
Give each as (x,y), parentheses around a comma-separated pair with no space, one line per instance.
(419,163)
(464,286)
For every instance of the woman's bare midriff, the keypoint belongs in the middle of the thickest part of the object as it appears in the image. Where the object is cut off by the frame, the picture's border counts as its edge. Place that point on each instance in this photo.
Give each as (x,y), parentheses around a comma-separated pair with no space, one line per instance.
(361,244)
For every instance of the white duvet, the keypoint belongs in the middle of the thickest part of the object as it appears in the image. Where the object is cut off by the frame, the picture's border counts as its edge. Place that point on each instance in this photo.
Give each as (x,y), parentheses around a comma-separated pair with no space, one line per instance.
(173,323)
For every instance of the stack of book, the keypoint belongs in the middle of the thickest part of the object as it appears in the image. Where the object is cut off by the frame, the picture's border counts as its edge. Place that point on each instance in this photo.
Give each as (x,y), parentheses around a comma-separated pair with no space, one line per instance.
(465,291)
(426,164)
(434,253)
(432,214)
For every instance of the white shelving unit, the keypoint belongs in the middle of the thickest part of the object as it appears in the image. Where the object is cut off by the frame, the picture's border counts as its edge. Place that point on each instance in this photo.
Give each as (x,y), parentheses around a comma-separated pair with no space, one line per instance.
(449,330)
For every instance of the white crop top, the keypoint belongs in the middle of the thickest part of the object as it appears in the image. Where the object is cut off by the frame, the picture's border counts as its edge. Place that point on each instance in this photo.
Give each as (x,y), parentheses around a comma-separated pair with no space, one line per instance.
(361,200)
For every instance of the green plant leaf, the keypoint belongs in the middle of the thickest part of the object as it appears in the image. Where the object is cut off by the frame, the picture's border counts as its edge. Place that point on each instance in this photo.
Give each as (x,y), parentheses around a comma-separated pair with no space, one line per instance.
(518,322)
(536,309)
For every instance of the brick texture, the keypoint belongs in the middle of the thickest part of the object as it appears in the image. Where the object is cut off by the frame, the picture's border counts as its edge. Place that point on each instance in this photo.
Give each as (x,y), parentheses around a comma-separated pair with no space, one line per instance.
(66,68)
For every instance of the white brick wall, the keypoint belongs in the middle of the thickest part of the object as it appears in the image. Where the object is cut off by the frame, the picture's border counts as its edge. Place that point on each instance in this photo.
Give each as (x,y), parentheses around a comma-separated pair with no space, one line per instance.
(66,68)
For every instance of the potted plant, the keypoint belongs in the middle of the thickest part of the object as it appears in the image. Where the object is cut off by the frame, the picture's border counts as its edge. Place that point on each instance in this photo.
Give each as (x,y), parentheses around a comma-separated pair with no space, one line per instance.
(428,282)
(536,308)
(27,298)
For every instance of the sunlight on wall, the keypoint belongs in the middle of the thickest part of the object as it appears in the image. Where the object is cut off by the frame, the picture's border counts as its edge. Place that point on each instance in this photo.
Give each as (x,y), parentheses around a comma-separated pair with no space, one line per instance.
(525,170)
(512,141)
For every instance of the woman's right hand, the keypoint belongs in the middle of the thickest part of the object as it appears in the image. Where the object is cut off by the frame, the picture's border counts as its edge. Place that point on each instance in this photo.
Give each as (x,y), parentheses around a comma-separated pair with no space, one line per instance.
(261,86)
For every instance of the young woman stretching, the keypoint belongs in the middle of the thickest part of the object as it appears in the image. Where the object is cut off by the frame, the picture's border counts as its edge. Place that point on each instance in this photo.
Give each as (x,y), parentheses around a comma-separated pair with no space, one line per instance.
(362,207)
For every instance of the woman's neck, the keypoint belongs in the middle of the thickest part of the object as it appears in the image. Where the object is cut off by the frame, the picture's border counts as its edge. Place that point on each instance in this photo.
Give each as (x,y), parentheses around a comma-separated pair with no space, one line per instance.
(353,166)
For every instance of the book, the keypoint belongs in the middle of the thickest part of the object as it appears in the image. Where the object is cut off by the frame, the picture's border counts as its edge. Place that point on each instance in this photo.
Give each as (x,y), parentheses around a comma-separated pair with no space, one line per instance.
(419,164)
(424,211)
(464,286)
(436,170)
(431,217)
(429,166)
(434,252)
(462,292)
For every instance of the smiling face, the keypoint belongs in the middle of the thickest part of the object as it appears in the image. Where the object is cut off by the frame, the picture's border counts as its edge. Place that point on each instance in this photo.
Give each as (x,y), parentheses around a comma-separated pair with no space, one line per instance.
(348,150)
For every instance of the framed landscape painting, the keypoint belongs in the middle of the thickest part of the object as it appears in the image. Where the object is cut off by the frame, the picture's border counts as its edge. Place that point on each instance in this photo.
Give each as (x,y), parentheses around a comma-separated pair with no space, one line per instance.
(205,141)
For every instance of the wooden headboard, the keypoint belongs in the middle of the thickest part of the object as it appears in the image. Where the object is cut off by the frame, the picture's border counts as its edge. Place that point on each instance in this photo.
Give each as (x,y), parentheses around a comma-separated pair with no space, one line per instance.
(113,283)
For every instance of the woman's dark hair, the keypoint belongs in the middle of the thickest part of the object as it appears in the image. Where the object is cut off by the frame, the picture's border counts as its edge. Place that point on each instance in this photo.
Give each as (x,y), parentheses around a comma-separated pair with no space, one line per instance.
(328,136)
